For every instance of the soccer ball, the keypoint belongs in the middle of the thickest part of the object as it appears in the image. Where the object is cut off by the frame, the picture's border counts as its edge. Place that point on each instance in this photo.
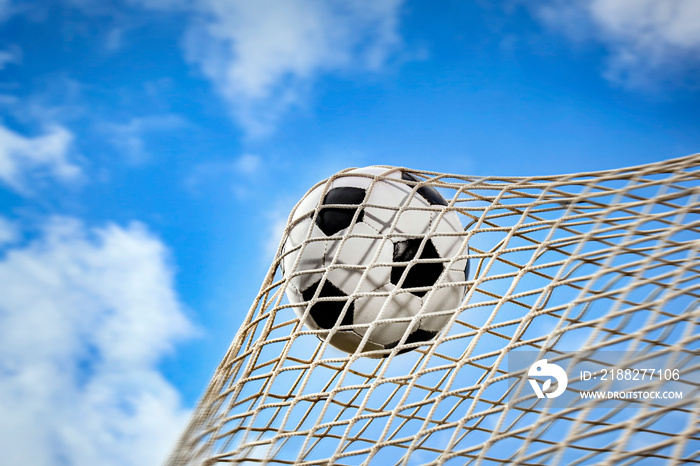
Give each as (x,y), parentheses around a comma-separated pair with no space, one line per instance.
(359,261)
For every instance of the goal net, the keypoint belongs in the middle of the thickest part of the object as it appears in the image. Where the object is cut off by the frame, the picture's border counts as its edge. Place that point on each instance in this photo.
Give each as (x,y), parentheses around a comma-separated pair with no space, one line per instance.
(595,273)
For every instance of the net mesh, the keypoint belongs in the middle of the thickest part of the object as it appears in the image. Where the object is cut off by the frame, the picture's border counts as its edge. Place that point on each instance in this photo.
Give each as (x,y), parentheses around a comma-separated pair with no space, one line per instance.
(563,265)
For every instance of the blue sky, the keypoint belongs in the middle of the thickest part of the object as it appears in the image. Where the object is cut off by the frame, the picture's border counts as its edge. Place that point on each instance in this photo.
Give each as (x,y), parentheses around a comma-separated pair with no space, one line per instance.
(150,151)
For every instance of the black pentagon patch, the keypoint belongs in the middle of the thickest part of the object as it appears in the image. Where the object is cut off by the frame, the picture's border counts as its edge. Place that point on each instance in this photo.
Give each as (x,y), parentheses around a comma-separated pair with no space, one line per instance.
(415,337)
(327,313)
(420,274)
(333,219)
(429,193)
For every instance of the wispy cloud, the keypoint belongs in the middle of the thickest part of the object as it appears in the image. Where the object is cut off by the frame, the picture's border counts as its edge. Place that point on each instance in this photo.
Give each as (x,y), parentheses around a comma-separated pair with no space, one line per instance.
(242,175)
(11,55)
(648,40)
(264,56)
(130,138)
(5,9)
(90,313)
(24,157)
(9,232)
(277,222)
(248,164)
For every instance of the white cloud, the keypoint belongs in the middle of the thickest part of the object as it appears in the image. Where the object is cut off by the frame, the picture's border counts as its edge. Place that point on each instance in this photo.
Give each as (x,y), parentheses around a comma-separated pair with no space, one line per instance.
(22,156)
(650,23)
(86,317)
(264,55)
(647,39)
